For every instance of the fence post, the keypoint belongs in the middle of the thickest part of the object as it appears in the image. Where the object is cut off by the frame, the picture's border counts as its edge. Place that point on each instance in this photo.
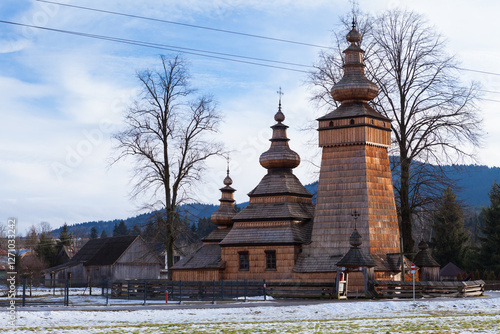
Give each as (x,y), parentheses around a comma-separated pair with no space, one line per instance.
(106,284)
(264,289)
(66,293)
(24,292)
(180,292)
(213,292)
(246,290)
(172,293)
(145,292)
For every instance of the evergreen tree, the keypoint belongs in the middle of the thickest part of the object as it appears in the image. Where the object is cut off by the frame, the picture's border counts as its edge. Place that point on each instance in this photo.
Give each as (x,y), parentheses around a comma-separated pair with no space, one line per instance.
(489,252)
(65,238)
(449,239)
(135,230)
(205,226)
(93,233)
(120,229)
(46,248)
(104,234)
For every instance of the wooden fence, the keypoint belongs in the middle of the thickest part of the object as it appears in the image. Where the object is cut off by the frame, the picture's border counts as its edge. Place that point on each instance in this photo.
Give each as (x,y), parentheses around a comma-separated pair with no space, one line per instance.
(398,289)
(187,290)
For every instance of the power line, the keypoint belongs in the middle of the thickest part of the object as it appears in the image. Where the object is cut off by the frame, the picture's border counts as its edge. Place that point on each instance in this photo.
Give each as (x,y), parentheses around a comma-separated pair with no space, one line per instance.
(171,48)
(477,71)
(185,24)
(204,53)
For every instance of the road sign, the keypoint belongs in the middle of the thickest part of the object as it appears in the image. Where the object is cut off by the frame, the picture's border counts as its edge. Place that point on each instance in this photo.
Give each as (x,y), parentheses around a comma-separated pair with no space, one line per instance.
(413,276)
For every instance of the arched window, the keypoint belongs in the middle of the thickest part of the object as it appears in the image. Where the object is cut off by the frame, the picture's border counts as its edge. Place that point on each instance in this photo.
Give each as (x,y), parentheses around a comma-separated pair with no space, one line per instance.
(330,124)
(351,122)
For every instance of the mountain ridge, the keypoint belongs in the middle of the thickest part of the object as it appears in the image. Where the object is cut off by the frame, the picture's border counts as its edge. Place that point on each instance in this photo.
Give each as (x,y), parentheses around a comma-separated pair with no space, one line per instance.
(473,186)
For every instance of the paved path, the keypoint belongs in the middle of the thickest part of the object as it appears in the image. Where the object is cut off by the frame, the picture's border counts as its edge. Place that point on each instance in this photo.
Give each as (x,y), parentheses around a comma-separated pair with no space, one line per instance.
(220,304)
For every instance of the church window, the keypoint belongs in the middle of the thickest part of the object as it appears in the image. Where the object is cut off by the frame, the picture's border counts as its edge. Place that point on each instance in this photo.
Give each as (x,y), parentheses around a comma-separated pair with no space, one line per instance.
(243,260)
(351,122)
(330,124)
(270,260)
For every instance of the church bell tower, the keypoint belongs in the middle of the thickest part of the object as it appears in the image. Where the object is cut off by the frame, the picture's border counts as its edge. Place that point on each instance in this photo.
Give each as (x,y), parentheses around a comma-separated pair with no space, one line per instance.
(355,176)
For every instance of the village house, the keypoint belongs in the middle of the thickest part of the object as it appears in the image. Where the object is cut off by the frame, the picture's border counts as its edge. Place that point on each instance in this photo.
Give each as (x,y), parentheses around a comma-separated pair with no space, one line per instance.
(116,258)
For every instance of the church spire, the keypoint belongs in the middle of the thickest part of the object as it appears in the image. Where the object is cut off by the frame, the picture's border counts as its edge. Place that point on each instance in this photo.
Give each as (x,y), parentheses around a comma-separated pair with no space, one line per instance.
(279,154)
(224,214)
(354,86)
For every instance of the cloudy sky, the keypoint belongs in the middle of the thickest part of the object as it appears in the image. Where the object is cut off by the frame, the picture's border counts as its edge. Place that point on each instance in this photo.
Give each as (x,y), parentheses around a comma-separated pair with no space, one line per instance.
(62,95)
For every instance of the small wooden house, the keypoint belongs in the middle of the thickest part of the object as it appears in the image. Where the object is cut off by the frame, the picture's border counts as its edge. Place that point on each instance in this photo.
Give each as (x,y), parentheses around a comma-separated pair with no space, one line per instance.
(117,258)
(428,267)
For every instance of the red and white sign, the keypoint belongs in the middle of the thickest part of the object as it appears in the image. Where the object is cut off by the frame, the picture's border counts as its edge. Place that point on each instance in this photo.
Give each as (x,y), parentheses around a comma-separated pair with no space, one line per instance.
(412,266)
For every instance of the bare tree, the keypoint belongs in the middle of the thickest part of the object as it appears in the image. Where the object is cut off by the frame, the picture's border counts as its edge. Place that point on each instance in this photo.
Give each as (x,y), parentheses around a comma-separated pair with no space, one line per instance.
(435,116)
(167,136)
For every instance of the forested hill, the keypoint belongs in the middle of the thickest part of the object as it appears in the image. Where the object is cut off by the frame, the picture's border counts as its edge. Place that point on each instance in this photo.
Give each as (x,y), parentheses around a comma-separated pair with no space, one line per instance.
(473,186)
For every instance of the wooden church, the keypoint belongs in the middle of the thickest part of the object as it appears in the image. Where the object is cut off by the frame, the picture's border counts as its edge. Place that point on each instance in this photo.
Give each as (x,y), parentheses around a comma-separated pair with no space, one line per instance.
(281,235)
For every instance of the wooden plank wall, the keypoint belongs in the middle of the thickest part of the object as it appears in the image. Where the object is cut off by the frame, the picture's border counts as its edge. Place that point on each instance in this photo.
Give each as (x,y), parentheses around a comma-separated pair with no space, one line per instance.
(285,260)
(355,178)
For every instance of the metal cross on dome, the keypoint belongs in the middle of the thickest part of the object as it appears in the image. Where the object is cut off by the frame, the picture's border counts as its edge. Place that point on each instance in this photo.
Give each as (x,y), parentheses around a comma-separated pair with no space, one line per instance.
(355,214)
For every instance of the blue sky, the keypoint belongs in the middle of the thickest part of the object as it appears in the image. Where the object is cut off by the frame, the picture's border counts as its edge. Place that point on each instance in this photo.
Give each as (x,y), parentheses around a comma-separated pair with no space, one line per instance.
(62,96)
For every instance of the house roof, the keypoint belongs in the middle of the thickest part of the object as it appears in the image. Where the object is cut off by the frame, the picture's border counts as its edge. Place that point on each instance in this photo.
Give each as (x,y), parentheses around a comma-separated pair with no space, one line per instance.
(99,252)
(109,250)
(450,270)
(206,257)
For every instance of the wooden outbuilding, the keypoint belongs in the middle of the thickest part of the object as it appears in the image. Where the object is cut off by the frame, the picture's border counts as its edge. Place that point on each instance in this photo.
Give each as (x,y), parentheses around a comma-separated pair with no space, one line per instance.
(428,267)
(116,258)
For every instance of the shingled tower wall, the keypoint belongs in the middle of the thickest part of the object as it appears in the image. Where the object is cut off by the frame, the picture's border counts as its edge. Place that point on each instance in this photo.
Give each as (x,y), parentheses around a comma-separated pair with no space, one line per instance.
(355,173)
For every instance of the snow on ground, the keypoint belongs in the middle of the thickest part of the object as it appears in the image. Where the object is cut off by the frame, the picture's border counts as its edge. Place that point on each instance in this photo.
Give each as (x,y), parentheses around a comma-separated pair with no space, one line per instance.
(468,315)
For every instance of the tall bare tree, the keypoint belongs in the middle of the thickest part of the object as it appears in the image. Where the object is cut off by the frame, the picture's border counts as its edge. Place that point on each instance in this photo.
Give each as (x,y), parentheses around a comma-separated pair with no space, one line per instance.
(435,116)
(166,134)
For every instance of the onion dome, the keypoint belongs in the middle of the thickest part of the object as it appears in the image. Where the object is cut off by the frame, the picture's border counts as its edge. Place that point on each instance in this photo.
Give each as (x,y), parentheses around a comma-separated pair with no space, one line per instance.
(355,257)
(424,257)
(224,214)
(354,85)
(355,239)
(279,154)
(423,245)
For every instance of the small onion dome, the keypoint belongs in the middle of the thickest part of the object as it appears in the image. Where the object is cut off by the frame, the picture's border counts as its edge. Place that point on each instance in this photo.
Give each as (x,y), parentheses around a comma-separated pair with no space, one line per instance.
(353,36)
(226,211)
(423,245)
(228,181)
(355,239)
(279,117)
(279,154)
(354,85)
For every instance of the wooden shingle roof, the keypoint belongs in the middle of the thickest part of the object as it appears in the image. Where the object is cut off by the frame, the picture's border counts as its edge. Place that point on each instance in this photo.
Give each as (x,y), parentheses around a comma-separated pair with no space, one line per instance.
(275,211)
(206,257)
(280,181)
(354,258)
(216,235)
(318,263)
(353,109)
(285,233)
(100,251)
